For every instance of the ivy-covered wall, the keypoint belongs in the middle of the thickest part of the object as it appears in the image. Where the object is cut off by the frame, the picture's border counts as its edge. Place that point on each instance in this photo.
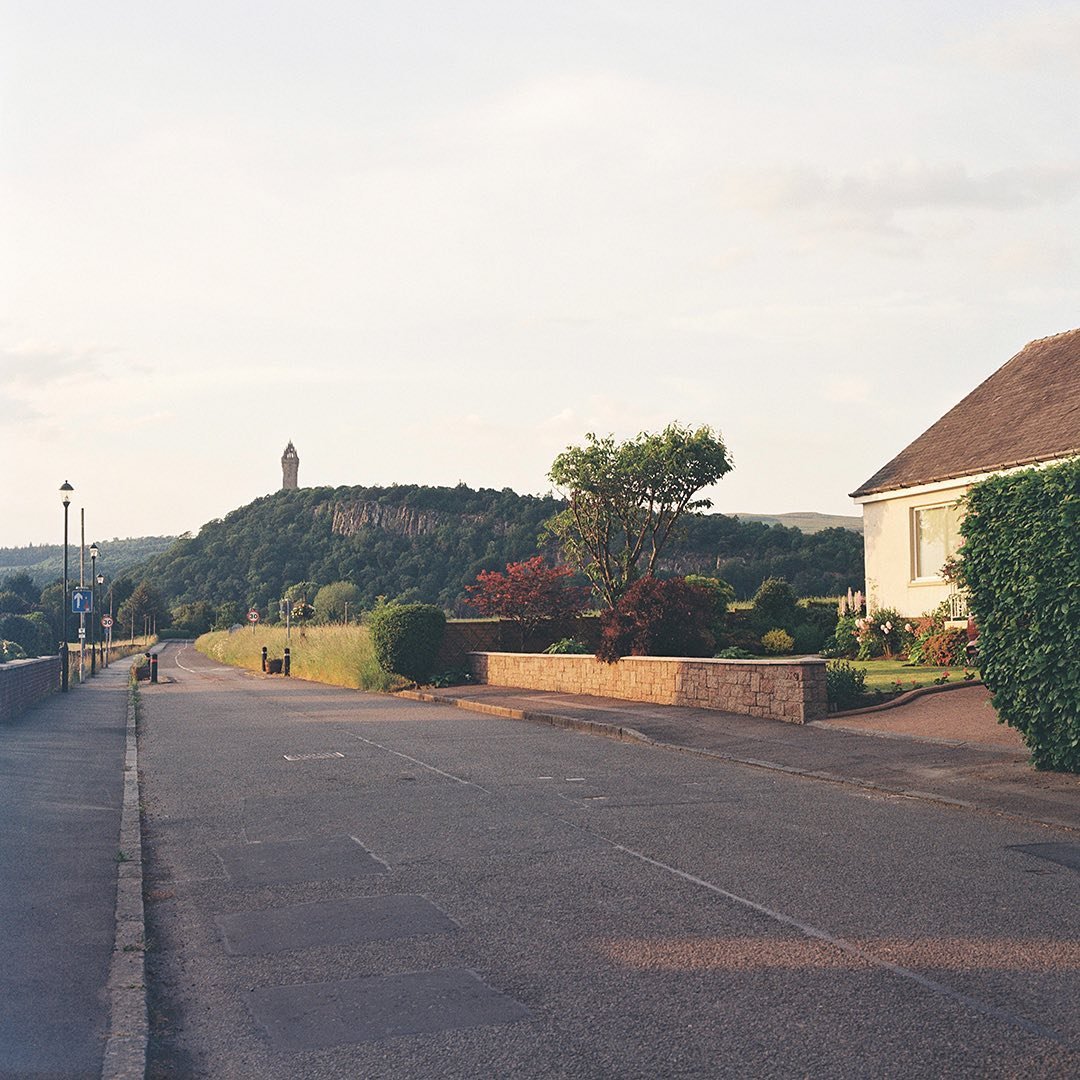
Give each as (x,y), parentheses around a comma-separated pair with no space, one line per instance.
(1021,565)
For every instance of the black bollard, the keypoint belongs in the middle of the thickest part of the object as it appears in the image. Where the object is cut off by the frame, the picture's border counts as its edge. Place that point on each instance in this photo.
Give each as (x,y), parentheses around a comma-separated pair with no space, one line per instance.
(153,667)
(264,658)
(288,661)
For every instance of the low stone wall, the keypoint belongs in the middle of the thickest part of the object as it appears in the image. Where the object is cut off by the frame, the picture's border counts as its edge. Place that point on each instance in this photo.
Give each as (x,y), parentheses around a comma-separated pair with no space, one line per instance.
(25,682)
(791,690)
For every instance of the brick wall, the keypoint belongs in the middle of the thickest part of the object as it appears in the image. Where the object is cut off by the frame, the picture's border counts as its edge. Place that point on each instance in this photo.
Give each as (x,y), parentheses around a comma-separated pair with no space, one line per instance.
(791,690)
(24,682)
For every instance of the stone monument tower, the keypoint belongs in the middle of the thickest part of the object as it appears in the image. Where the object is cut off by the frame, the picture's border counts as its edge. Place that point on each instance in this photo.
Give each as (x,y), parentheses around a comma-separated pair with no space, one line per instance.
(290,467)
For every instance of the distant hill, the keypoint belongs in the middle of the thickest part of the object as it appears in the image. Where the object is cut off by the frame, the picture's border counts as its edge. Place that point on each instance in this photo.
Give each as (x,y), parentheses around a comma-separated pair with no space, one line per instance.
(427,543)
(45,562)
(808,522)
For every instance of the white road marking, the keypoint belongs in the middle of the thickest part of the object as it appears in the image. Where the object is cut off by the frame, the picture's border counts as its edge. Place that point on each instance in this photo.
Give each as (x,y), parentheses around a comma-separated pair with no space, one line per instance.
(422,764)
(198,671)
(843,945)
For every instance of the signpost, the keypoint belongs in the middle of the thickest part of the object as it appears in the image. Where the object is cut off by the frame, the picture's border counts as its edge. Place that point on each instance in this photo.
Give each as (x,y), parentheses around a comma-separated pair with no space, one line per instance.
(253,618)
(107,625)
(82,601)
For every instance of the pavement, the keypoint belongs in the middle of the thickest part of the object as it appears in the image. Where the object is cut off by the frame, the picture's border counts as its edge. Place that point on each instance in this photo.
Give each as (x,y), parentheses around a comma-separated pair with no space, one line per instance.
(62,782)
(944,747)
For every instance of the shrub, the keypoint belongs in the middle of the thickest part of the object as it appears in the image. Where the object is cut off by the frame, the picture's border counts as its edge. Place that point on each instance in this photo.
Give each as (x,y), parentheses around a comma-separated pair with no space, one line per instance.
(658,617)
(807,638)
(843,644)
(777,642)
(1021,565)
(31,631)
(406,638)
(12,650)
(734,653)
(774,604)
(723,595)
(567,646)
(845,685)
(879,634)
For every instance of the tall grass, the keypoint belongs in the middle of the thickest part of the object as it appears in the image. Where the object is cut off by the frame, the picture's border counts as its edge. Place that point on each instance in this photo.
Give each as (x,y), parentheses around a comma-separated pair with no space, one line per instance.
(338,655)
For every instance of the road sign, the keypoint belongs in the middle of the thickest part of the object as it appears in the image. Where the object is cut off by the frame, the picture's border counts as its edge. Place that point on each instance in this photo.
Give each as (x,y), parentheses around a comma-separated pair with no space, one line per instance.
(107,621)
(253,615)
(82,601)
(82,633)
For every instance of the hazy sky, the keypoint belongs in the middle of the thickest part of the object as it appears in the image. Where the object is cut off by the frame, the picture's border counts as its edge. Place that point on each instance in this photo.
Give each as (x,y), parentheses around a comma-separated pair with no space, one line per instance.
(433,242)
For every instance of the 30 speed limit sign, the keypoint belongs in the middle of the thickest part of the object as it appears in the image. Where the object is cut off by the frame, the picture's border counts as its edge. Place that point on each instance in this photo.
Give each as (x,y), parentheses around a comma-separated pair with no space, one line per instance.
(253,616)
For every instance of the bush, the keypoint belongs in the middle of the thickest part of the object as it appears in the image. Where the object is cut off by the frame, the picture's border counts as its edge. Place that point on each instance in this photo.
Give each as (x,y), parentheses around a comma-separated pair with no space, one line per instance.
(845,685)
(735,653)
(31,631)
(807,638)
(567,646)
(658,617)
(843,644)
(881,633)
(775,605)
(12,650)
(777,642)
(406,638)
(1021,565)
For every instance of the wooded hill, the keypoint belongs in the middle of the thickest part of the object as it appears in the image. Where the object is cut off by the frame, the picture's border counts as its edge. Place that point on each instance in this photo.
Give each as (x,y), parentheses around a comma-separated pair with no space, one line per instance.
(428,543)
(45,562)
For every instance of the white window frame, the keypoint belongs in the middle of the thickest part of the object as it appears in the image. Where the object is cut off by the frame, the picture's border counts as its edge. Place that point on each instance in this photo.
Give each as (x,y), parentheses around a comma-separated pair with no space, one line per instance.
(918,576)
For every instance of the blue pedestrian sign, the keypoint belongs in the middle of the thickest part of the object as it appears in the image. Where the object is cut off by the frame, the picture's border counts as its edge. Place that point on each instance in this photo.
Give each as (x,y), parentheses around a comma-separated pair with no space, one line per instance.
(82,601)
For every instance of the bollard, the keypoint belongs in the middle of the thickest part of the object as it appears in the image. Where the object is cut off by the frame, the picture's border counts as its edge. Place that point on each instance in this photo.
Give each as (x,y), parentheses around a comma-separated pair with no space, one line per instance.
(153,667)
(264,659)
(288,661)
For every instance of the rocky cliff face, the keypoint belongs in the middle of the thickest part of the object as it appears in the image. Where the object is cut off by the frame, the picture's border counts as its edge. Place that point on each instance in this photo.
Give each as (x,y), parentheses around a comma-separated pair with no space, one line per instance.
(349,518)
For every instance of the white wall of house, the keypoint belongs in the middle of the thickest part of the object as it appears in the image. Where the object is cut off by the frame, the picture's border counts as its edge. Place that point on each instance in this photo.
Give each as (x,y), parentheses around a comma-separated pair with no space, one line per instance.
(907,535)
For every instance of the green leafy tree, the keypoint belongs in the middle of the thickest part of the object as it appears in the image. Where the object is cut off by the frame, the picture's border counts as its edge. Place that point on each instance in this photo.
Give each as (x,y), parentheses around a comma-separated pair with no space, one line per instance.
(331,601)
(194,618)
(229,614)
(145,602)
(624,500)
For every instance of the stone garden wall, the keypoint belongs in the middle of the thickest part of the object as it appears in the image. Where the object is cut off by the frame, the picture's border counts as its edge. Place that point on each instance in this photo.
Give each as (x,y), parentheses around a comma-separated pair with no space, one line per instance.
(790,690)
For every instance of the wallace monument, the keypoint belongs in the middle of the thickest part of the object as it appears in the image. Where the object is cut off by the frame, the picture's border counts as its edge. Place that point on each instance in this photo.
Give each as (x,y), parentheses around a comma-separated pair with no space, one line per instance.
(290,468)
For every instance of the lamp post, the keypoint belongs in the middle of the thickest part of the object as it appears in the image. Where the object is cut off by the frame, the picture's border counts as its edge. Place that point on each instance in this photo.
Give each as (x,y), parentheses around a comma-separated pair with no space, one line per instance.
(108,633)
(65,488)
(93,608)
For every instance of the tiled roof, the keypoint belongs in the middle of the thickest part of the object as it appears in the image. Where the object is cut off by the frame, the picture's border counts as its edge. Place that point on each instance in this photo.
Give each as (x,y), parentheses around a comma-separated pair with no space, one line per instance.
(1027,411)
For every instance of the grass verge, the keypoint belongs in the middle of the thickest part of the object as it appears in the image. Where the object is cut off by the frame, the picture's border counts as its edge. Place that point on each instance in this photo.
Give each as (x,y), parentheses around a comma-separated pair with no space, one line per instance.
(885,675)
(337,655)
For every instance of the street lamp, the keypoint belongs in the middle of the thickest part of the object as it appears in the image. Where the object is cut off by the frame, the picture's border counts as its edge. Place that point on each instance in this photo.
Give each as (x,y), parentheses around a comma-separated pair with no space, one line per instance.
(108,633)
(65,488)
(93,607)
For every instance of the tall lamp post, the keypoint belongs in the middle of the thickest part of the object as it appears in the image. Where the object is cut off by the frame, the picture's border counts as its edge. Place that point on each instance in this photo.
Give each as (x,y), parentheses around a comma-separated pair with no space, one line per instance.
(108,632)
(93,608)
(65,488)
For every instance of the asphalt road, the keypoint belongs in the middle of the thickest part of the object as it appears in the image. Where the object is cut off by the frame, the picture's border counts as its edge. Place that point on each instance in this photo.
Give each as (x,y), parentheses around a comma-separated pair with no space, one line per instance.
(351,885)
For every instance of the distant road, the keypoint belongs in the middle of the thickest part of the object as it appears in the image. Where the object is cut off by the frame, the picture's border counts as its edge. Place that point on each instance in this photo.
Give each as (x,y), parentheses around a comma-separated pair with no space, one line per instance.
(351,885)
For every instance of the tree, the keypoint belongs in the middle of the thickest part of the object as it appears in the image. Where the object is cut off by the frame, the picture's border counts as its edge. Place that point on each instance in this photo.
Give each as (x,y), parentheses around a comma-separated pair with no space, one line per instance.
(332,601)
(528,594)
(658,617)
(145,602)
(624,499)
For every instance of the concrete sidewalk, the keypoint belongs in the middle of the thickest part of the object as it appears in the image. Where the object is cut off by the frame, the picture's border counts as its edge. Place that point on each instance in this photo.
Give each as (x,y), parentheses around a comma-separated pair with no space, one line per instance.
(61,793)
(989,778)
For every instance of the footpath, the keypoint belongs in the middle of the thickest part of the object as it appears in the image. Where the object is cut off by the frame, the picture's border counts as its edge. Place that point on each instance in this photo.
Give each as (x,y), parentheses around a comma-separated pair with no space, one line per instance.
(961,758)
(61,796)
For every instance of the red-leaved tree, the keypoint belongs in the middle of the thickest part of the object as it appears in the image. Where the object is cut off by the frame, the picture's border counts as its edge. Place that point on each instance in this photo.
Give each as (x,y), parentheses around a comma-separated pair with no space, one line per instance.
(658,617)
(528,594)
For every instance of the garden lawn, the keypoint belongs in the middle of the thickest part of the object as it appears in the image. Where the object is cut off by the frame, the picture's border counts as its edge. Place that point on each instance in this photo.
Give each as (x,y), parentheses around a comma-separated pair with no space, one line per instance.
(885,674)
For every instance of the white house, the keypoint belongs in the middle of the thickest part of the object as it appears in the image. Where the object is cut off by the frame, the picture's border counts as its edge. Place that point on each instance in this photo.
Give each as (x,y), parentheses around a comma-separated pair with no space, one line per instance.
(1026,413)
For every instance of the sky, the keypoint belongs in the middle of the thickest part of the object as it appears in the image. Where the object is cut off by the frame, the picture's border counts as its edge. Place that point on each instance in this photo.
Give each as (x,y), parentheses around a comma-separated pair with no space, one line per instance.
(434,243)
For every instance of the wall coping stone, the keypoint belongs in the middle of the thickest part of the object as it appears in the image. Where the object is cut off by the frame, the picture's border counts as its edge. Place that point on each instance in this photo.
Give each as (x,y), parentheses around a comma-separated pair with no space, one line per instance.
(757,661)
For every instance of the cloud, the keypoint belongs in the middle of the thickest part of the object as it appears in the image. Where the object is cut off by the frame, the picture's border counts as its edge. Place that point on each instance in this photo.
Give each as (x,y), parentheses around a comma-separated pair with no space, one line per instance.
(45,362)
(1029,42)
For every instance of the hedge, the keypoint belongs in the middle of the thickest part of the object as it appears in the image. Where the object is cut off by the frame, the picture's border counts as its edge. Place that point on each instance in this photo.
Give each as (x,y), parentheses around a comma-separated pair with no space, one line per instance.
(406,638)
(1021,566)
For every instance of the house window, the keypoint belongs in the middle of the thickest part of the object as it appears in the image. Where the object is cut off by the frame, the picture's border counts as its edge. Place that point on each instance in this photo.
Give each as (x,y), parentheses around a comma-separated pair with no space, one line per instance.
(935,536)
